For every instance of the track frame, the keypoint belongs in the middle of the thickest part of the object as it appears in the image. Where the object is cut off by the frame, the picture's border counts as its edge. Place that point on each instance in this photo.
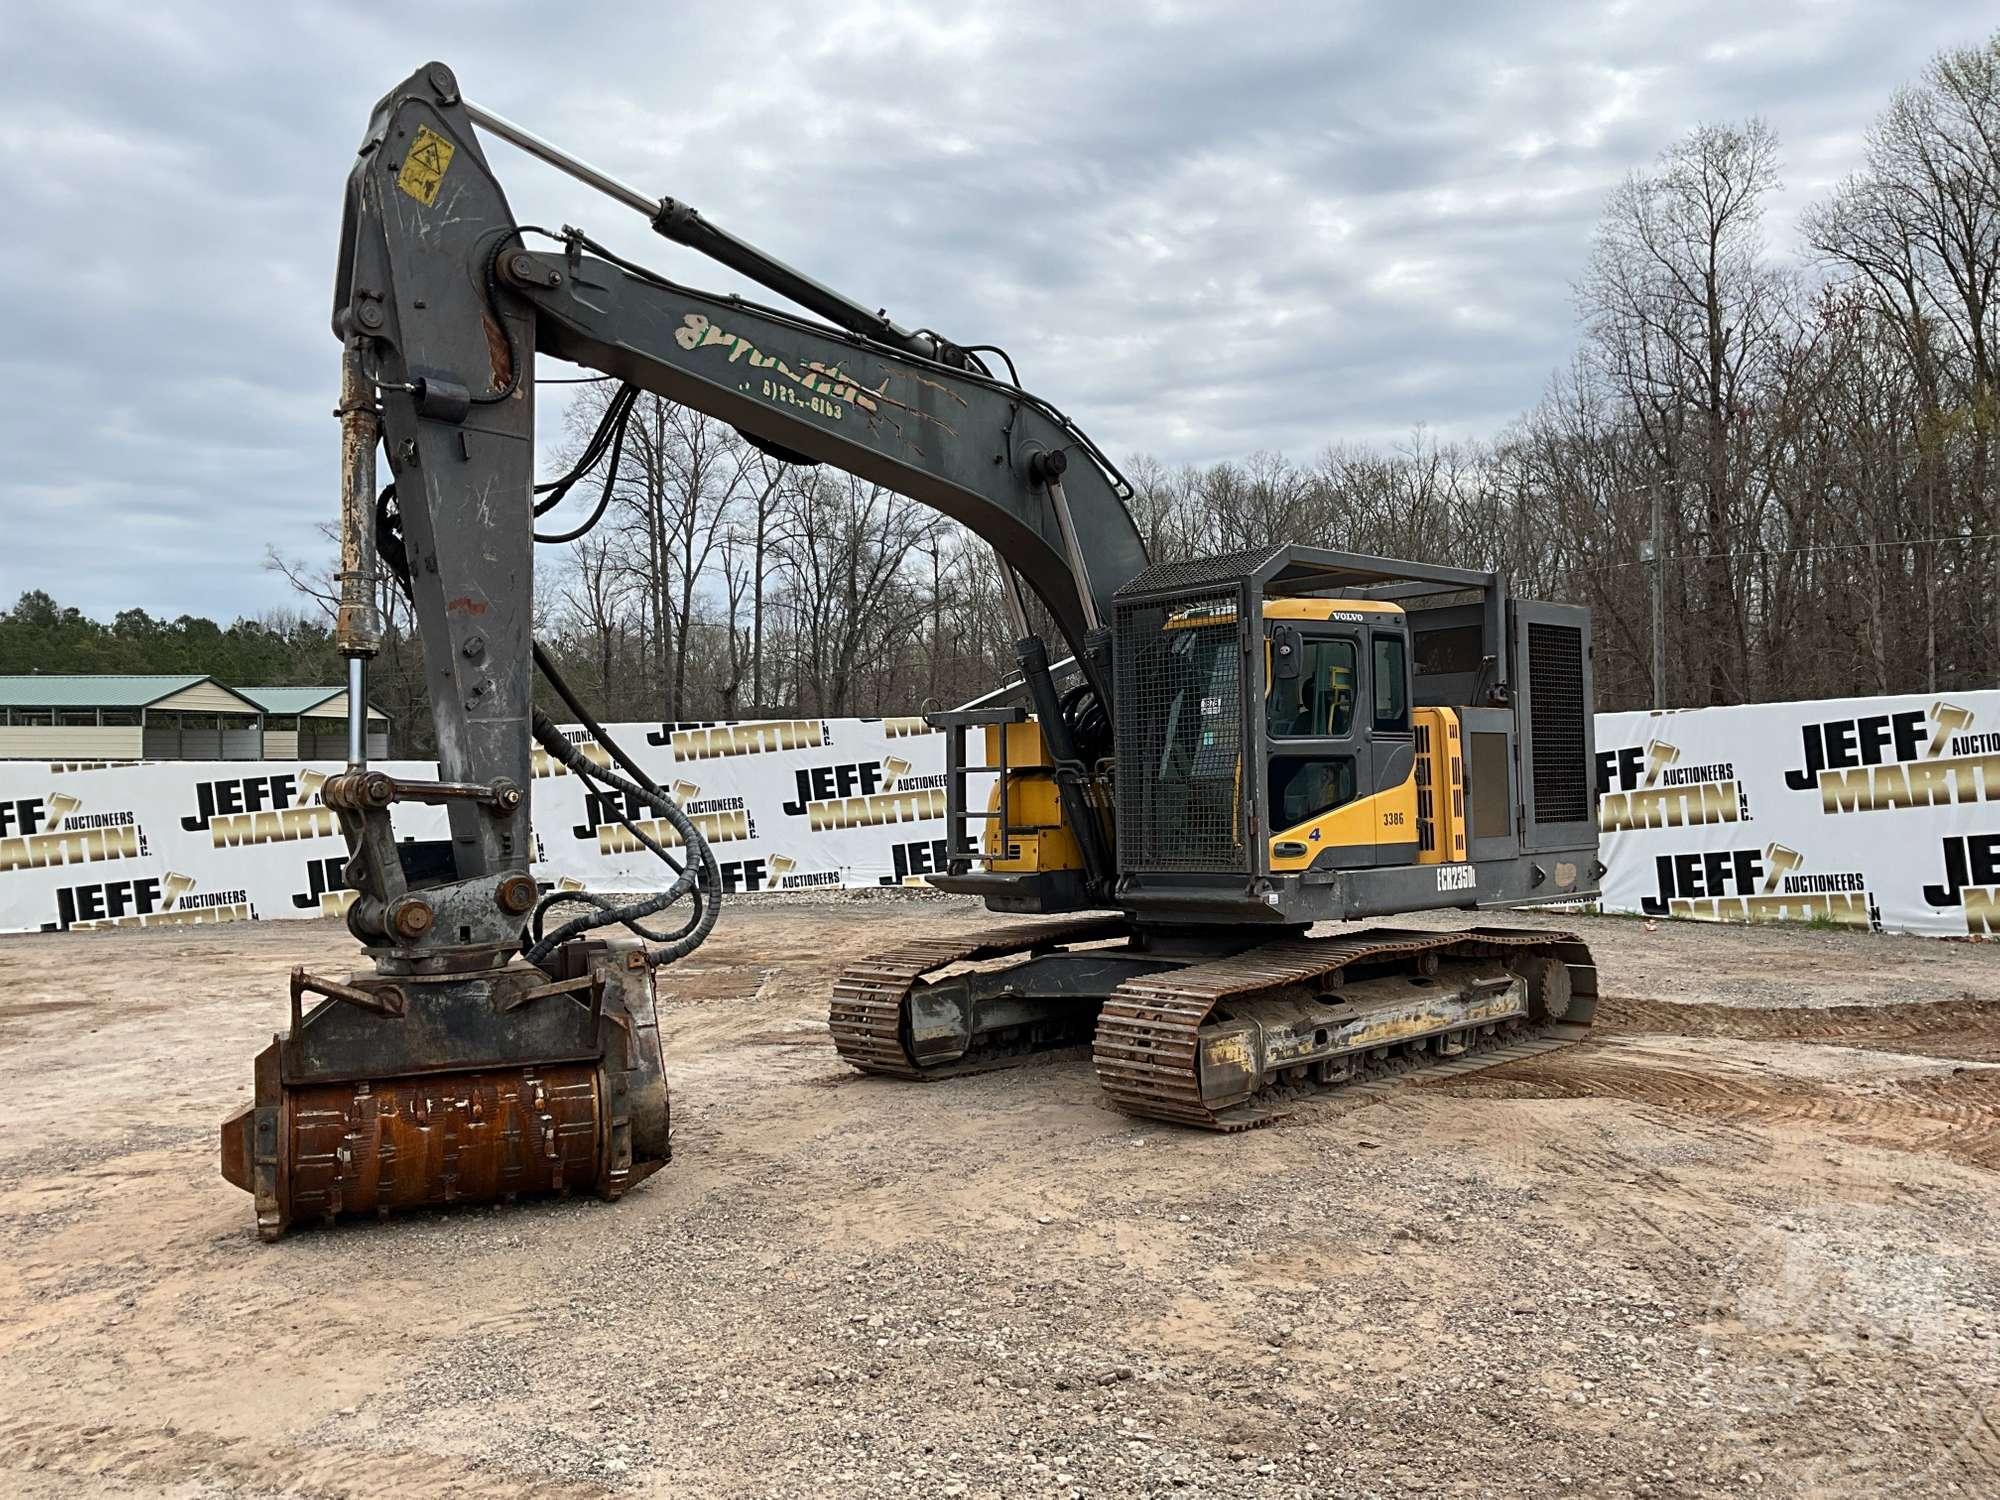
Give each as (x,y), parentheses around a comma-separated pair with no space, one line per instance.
(1196,1029)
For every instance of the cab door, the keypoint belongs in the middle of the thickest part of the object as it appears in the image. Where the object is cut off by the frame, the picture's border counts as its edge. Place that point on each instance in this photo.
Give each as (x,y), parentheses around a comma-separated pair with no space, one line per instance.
(1319,759)
(1392,744)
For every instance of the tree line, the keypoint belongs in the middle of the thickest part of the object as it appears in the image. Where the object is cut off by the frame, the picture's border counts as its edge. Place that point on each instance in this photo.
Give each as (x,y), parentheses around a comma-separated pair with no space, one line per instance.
(282,648)
(1797,449)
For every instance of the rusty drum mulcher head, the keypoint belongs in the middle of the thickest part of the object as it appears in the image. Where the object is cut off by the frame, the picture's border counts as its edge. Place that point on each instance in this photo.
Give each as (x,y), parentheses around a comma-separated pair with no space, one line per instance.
(455,1078)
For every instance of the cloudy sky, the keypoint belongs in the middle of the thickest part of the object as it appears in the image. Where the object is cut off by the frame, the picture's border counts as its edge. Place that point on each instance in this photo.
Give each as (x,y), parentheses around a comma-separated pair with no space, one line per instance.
(1201,230)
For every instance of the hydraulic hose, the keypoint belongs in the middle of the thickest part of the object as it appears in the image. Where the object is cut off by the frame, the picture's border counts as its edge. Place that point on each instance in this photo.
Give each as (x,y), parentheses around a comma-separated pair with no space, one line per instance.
(701,878)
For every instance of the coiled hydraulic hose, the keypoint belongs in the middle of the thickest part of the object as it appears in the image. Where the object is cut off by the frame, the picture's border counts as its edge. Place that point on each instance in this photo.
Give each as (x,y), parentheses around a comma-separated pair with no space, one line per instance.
(701,878)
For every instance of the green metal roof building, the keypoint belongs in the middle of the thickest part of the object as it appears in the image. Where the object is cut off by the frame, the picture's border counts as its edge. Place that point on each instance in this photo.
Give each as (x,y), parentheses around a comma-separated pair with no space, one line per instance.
(96,717)
(310,723)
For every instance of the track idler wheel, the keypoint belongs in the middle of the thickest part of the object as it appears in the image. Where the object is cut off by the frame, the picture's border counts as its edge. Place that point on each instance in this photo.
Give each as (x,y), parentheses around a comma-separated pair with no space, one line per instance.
(1548,985)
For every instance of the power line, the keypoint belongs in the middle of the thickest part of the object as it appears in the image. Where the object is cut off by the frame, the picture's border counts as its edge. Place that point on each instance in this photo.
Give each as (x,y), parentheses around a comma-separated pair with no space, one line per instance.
(1911,541)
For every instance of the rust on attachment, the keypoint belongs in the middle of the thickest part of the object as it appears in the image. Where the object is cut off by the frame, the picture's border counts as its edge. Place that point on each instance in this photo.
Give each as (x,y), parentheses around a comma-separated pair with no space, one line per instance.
(375,1146)
(499,350)
(390,1093)
(358,626)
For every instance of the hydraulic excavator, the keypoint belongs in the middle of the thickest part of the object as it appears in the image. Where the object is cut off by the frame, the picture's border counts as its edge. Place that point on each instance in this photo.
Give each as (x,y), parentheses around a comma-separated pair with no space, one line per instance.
(1215,756)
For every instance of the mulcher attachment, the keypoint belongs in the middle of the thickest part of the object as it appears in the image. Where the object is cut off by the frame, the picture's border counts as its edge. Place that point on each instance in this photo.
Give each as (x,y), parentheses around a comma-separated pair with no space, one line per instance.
(462,1085)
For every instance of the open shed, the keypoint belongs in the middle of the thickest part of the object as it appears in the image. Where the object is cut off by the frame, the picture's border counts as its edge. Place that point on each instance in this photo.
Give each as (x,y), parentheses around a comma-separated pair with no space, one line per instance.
(63,717)
(310,723)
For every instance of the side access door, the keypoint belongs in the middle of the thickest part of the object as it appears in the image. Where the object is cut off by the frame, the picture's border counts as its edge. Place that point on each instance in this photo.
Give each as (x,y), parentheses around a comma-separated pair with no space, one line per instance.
(1553,724)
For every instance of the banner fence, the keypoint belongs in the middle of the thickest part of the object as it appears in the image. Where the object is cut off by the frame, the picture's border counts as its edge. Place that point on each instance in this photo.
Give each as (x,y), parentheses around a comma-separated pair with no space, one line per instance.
(1876,812)
(1879,813)
(787,804)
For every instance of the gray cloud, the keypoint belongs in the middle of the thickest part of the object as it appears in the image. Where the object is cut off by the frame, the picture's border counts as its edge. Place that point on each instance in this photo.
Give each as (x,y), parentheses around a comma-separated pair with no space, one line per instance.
(1200,230)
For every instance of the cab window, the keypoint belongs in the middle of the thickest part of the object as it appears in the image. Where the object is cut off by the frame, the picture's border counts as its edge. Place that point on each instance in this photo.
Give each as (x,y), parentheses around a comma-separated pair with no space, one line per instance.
(1319,702)
(1392,686)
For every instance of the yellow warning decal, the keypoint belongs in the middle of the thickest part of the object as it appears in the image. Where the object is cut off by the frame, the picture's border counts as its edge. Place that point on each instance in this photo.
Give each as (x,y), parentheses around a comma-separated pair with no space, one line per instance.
(424,168)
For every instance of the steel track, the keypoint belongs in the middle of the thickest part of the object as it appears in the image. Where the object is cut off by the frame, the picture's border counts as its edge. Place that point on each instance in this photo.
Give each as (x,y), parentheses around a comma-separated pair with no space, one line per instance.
(866,1015)
(1148,1043)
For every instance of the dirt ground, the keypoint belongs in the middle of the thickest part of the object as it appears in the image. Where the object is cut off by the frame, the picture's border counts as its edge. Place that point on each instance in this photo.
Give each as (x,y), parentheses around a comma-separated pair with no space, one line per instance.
(1745,1239)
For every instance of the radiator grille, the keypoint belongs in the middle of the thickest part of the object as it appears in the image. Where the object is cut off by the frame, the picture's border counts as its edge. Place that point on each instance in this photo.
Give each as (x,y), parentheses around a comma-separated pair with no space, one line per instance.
(1426,791)
(1180,712)
(1555,722)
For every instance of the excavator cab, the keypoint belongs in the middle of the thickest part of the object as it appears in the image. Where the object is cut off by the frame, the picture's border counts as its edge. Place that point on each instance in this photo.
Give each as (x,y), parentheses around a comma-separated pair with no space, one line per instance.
(1418,740)
(1339,739)
(1328,787)
(1301,736)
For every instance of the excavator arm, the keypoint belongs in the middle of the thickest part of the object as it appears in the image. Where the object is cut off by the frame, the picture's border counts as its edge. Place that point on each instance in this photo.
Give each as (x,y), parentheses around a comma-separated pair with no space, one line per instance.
(443,301)
(964,444)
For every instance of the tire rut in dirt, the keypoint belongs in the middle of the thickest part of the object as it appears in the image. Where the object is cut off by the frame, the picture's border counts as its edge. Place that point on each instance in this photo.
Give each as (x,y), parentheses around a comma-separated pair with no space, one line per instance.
(1965,1029)
(1955,1115)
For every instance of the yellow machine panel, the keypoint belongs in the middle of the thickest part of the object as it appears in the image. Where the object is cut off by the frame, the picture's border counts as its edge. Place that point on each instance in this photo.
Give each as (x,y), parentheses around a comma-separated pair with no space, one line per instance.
(1327,609)
(1427,809)
(1440,788)
(1292,609)
(1016,745)
(1387,817)
(1036,838)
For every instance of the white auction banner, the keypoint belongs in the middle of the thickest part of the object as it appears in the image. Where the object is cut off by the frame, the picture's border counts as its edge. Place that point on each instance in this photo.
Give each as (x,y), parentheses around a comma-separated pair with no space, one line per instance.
(1880,813)
(1868,812)
(786,804)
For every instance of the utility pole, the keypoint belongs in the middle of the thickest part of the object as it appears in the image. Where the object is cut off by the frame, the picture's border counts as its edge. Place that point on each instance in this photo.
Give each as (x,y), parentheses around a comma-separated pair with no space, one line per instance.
(1651,552)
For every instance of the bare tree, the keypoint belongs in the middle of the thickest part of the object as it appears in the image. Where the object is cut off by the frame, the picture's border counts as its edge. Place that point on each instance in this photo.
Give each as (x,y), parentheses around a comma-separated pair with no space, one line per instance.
(1682,311)
(1821,438)
(754,534)
(1918,229)
(842,563)
(595,597)
(396,682)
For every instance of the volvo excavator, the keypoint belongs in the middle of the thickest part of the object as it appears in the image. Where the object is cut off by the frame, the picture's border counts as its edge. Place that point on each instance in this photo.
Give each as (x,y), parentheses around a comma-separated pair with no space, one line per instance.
(1197,762)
